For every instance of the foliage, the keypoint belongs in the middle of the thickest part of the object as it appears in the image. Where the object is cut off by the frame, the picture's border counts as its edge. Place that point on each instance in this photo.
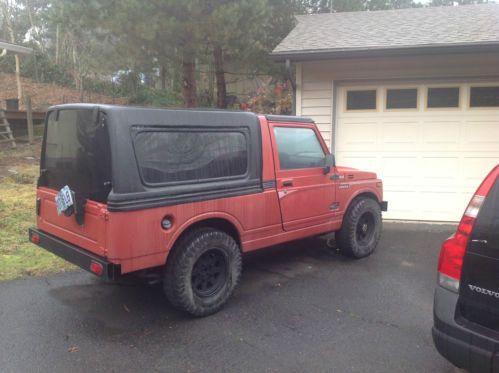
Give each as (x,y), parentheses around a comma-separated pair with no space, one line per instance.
(18,257)
(155,97)
(457,2)
(276,97)
(39,67)
(125,48)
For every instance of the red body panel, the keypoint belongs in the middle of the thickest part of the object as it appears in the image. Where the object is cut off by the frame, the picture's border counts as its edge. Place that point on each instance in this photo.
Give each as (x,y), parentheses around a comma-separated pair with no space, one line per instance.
(136,240)
(91,236)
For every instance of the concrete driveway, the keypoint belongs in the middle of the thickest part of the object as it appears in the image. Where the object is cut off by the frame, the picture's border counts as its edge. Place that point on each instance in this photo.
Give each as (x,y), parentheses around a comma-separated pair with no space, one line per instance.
(300,308)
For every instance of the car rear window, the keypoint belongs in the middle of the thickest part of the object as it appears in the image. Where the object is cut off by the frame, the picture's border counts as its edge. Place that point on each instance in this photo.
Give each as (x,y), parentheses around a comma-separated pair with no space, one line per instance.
(487,224)
(175,156)
(76,153)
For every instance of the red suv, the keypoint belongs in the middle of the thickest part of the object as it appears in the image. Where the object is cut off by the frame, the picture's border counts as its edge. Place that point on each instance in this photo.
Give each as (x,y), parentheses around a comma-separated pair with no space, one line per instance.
(180,194)
(466,306)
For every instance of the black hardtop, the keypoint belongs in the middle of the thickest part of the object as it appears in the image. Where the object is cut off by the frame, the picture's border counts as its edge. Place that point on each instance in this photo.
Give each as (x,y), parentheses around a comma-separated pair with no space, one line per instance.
(288,118)
(131,116)
(130,192)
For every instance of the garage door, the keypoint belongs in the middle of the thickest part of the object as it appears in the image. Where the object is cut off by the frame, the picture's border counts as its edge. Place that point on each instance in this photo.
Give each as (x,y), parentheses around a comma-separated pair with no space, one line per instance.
(431,144)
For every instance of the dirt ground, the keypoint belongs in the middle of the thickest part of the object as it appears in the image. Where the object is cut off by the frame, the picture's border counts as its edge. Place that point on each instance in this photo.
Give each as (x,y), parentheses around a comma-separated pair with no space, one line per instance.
(44,95)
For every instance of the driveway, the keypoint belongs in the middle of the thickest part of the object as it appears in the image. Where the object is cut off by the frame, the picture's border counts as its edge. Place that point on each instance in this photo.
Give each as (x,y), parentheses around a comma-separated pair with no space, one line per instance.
(300,308)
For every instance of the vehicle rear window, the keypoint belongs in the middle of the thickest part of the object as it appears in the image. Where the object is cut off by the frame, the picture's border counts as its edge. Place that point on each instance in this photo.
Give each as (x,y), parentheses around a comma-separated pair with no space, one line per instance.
(487,223)
(76,153)
(298,148)
(173,156)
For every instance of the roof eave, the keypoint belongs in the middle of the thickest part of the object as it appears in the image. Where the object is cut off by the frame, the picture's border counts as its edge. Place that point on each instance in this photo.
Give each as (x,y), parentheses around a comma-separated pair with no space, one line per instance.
(18,49)
(317,55)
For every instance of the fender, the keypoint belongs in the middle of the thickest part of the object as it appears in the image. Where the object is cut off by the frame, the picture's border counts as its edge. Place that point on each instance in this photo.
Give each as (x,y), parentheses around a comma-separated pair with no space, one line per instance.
(364,190)
(199,218)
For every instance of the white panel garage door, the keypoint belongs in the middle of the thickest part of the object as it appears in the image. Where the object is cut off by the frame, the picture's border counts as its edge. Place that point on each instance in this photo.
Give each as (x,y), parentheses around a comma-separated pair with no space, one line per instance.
(430,159)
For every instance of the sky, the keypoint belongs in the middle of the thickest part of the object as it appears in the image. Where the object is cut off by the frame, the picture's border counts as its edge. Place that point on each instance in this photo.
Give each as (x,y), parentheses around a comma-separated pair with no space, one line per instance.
(427,1)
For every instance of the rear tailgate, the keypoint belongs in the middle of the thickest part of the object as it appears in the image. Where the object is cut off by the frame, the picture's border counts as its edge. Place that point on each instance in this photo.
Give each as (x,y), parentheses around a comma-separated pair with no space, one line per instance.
(91,235)
(479,289)
(75,155)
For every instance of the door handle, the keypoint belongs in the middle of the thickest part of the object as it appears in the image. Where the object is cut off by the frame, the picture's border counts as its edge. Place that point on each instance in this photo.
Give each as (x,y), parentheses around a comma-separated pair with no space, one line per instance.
(287,183)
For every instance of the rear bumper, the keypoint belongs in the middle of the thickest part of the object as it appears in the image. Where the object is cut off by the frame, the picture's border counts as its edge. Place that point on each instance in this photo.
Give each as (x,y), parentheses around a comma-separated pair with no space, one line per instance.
(383,205)
(463,347)
(75,254)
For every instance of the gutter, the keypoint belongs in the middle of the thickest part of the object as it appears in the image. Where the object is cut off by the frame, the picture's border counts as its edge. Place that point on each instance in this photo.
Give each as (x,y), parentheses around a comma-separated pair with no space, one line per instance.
(434,49)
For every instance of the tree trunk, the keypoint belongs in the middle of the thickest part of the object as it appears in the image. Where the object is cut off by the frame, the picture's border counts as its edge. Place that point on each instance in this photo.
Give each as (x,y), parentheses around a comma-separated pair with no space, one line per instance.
(18,79)
(57,43)
(211,83)
(189,79)
(76,70)
(35,29)
(220,77)
(163,77)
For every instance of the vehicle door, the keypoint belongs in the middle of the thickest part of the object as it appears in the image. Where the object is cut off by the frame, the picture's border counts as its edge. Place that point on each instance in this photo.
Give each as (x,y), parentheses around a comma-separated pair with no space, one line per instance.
(306,192)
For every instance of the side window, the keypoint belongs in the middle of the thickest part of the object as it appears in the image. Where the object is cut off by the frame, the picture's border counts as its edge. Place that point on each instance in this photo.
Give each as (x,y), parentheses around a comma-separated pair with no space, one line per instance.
(298,148)
(190,156)
(487,223)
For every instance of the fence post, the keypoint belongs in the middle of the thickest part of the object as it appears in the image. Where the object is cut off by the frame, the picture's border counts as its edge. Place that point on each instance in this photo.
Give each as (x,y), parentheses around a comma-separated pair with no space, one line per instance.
(29,117)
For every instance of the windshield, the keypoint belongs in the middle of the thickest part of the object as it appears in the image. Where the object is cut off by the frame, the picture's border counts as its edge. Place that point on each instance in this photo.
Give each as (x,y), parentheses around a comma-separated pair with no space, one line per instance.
(76,153)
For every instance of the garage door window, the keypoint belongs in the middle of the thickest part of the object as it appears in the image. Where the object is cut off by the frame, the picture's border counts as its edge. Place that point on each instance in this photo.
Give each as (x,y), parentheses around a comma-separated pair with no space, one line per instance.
(361,100)
(443,98)
(402,98)
(484,97)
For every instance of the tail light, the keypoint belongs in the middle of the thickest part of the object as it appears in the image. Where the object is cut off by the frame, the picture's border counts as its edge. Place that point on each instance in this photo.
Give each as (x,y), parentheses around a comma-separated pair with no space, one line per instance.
(35,238)
(96,268)
(450,263)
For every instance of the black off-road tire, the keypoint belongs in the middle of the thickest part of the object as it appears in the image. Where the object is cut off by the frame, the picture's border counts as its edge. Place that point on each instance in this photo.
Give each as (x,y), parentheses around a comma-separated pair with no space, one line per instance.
(361,229)
(191,282)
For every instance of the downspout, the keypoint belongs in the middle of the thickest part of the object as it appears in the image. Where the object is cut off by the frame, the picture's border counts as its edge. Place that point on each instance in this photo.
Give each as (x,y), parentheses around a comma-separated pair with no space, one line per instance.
(292,80)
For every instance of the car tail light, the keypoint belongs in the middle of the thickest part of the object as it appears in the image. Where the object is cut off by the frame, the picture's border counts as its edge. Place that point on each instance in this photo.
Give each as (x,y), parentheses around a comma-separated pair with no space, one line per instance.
(96,268)
(450,263)
(35,238)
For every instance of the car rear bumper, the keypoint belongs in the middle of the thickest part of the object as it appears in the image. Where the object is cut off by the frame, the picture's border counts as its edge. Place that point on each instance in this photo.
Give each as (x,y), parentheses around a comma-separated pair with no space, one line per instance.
(74,254)
(463,347)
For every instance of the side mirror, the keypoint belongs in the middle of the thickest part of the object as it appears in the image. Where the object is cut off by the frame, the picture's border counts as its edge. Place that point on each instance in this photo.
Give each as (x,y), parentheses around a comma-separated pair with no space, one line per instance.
(328,163)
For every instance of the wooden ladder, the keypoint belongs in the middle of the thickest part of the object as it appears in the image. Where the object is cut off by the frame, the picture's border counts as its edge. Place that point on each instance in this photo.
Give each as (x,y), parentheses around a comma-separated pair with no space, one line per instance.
(5,131)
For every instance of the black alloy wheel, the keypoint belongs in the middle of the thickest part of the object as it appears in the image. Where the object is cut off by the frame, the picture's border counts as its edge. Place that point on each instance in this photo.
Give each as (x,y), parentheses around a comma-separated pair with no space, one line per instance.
(365,228)
(209,273)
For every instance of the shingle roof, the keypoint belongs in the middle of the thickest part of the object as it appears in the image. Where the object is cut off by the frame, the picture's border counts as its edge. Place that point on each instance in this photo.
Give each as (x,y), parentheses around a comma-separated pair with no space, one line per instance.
(392,29)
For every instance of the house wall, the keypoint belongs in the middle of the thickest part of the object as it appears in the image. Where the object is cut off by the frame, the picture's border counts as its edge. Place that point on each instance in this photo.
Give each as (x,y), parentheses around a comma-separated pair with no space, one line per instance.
(315,91)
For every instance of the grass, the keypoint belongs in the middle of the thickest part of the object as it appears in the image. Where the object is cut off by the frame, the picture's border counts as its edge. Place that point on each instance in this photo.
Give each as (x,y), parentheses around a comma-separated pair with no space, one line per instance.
(19,257)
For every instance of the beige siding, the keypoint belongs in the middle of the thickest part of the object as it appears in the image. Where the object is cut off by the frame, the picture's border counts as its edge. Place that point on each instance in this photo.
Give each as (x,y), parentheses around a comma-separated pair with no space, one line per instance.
(315,100)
